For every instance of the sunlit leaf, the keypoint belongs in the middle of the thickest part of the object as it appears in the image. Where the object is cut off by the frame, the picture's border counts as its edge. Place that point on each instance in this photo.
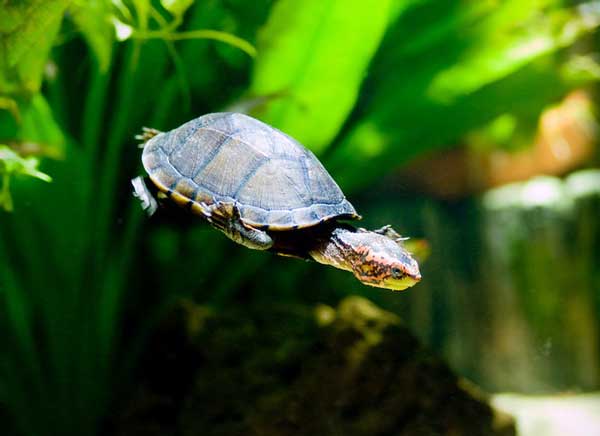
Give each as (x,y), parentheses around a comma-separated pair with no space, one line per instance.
(176,7)
(493,57)
(422,102)
(26,46)
(12,16)
(314,55)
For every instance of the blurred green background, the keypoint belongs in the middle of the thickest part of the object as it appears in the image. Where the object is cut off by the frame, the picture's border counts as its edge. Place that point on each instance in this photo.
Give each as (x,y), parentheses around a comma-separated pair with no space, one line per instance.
(434,116)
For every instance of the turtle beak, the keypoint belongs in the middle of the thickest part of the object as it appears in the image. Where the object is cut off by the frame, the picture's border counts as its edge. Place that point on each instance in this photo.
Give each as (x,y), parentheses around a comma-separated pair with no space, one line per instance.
(394,284)
(409,275)
(403,283)
(414,272)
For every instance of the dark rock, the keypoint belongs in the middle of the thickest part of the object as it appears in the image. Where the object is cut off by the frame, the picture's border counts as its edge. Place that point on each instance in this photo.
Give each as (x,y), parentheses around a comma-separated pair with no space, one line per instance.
(354,370)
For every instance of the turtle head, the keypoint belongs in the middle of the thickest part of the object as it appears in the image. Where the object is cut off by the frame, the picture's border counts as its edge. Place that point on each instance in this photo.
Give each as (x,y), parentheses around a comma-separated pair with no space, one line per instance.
(383,262)
(374,258)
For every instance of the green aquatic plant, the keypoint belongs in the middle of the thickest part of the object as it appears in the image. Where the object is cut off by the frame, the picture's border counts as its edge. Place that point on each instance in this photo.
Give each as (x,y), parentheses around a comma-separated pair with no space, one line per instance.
(67,249)
(79,79)
(11,164)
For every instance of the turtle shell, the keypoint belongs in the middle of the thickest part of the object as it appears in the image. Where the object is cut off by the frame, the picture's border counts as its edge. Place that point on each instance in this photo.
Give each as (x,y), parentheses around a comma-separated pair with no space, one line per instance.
(275,182)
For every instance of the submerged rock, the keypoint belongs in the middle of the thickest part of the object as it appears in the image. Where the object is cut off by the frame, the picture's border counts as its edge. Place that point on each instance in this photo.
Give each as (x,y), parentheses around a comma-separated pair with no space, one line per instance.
(352,370)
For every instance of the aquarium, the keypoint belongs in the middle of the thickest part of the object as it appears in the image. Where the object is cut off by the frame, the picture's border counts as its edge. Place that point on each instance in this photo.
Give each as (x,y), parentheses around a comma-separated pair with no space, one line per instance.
(223,217)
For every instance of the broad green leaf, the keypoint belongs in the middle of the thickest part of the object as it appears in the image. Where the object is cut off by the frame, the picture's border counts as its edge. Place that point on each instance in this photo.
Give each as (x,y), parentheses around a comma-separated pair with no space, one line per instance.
(12,16)
(494,57)
(93,18)
(313,56)
(428,99)
(397,7)
(35,130)
(24,49)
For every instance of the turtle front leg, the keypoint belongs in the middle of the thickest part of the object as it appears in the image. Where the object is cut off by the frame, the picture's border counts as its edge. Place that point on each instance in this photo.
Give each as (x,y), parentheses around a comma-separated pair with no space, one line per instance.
(226,217)
(389,232)
(141,191)
(419,248)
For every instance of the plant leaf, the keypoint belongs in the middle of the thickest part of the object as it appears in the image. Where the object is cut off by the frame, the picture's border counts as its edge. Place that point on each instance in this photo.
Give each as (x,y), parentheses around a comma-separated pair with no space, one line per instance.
(12,164)
(176,7)
(432,96)
(313,55)
(35,129)
(25,48)
(94,21)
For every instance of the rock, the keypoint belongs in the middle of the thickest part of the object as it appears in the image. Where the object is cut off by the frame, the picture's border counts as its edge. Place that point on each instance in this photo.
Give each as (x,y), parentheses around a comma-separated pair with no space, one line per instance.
(353,370)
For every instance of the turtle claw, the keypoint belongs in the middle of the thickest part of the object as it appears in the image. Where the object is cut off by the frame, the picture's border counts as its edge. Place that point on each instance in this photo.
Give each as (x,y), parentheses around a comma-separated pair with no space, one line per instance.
(389,232)
(205,210)
(386,230)
(147,134)
(219,213)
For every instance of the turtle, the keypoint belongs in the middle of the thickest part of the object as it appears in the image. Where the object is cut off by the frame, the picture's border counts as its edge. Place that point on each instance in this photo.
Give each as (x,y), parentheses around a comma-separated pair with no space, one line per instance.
(266,191)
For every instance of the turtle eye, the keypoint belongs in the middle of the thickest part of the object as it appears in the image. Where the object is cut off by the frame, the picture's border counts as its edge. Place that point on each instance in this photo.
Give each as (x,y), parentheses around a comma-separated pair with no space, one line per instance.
(397,272)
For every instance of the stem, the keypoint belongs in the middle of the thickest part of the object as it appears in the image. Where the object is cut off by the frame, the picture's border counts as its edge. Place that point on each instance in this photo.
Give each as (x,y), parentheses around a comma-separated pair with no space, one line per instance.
(216,35)
(5,198)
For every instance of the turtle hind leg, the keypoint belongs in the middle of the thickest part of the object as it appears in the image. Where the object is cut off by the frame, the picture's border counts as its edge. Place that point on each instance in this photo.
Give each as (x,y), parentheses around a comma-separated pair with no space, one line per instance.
(226,217)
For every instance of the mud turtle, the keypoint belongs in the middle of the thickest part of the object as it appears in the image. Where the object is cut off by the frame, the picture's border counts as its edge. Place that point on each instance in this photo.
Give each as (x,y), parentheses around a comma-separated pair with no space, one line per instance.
(266,191)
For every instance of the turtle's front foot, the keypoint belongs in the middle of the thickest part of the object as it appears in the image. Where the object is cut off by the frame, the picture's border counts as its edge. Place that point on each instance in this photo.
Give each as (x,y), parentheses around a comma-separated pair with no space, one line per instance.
(141,191)
(226,217)
(389,232)
(147,134)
